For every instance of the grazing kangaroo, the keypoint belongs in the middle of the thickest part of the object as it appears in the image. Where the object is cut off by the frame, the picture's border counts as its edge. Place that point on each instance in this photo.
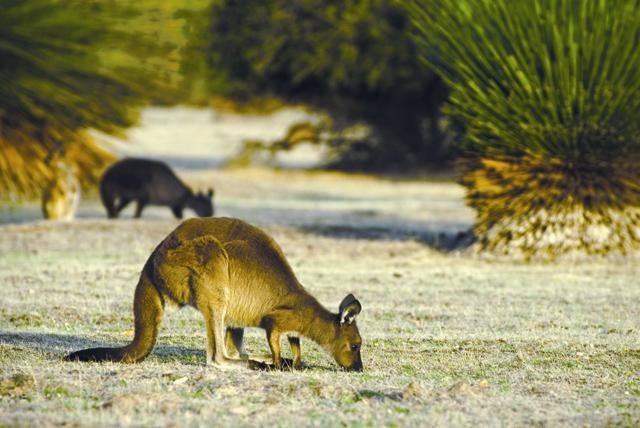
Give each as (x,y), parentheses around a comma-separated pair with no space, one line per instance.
(149,182)
(237,276)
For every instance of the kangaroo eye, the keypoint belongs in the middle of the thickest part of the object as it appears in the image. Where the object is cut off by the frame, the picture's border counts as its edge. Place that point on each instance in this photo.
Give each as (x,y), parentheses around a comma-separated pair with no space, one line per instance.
(355,347)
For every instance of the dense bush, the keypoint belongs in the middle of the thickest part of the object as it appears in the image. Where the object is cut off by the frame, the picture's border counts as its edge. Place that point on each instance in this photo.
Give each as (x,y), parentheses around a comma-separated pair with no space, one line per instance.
(549,91)
(354,59)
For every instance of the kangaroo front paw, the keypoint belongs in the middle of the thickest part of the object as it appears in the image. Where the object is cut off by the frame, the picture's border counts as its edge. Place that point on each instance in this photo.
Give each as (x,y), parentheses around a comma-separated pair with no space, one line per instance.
(285,364)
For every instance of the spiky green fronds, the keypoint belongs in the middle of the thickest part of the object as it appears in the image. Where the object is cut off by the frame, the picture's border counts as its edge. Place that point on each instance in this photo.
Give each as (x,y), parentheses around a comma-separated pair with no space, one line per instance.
(558,78)
(52,70)
(67,66)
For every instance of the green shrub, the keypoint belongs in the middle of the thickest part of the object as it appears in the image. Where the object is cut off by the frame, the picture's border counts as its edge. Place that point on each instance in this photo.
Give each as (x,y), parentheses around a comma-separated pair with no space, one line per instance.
(354,60)
(549,91)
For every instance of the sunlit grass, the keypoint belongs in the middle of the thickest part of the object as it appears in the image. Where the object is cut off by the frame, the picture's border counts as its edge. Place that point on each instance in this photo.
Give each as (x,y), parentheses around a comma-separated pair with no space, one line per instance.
(447,339)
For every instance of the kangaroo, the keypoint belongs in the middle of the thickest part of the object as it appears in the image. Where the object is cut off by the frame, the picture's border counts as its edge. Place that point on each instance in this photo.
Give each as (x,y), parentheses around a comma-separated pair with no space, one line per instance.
(236,276)
(61,195)
(149,182)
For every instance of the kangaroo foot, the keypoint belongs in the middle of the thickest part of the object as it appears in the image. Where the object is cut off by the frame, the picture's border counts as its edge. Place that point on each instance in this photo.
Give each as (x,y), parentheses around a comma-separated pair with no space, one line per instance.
(228,364)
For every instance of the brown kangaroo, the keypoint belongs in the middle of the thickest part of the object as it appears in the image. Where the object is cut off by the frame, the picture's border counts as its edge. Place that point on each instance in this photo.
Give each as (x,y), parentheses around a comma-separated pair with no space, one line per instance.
(236,276)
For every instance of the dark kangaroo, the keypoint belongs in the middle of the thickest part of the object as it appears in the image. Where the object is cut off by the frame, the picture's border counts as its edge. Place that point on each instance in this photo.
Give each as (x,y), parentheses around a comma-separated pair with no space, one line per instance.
(236,276)
(149,182)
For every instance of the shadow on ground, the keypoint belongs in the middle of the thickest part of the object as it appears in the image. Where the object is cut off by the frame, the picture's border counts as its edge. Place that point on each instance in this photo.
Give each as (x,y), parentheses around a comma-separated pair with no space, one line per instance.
(441,233)
(59,345)
(441,240)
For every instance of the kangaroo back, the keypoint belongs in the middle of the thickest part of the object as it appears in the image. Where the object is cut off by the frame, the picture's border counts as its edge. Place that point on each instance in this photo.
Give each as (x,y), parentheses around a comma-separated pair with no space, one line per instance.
(134,178)
(262,255)
(149,182)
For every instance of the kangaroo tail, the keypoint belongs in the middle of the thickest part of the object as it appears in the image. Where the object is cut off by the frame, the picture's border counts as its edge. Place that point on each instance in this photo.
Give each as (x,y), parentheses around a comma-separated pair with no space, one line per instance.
(148,309)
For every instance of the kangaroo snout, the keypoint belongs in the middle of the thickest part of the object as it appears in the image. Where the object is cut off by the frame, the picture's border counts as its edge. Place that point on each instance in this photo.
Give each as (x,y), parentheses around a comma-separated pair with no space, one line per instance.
(356,367)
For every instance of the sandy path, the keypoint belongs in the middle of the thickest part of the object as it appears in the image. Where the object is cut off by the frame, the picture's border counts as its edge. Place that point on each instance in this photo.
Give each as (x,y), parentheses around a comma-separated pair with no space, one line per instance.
(190,138)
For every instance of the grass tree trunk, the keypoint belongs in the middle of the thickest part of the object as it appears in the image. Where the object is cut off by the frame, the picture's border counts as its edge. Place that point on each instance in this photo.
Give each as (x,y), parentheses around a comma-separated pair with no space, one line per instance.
(534,207)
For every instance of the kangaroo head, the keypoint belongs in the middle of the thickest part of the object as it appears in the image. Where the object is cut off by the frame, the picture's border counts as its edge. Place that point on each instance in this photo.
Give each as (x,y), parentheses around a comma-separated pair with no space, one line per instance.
(202,203)
(346,346)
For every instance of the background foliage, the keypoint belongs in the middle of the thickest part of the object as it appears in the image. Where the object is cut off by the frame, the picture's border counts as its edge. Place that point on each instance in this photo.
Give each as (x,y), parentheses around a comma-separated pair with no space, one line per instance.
(67,66)
(354,59)
(547,93)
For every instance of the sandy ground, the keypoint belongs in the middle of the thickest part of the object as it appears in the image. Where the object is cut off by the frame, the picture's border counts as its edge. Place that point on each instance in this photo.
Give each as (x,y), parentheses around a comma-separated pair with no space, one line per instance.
(449,339)
(190,138)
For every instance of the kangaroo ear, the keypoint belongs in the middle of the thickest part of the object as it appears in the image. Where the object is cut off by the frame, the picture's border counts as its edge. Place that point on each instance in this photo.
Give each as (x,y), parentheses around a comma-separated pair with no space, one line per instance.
(349,308)
(210,192)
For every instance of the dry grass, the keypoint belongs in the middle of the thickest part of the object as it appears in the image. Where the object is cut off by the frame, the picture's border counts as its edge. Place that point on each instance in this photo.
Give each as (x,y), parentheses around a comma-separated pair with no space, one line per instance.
(448,339)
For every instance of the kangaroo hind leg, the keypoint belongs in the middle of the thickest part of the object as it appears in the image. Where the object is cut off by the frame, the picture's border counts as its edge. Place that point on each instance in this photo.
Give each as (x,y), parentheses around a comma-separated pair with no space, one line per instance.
(141,202)
(214,317)
(209,283)
(122,203)
(216,349)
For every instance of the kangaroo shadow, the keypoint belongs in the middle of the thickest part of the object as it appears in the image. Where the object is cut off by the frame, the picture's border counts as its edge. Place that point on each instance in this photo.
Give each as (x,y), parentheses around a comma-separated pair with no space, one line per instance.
(58,345)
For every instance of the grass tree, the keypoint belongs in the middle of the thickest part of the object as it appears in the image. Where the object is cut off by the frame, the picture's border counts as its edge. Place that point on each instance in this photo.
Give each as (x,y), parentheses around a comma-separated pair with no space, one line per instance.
(549,91)
(65,67)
